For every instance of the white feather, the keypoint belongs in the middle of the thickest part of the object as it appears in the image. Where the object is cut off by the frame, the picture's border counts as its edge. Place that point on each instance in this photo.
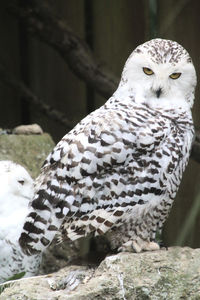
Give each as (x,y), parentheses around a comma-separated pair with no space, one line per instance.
(16,190)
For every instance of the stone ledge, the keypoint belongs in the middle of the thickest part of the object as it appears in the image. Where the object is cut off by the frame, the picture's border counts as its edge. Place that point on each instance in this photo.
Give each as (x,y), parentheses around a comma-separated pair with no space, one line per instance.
(165,274)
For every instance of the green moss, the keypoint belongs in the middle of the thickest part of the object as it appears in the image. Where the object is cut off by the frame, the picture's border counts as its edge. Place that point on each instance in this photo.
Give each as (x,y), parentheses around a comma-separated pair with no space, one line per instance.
(27,150)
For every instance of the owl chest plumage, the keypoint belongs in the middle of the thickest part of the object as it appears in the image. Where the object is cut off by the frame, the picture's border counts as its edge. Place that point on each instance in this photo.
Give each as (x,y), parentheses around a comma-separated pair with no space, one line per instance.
(115,160)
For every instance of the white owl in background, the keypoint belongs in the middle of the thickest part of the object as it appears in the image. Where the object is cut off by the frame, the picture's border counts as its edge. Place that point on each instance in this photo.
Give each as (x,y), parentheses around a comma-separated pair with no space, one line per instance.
(118,171)
(16,190)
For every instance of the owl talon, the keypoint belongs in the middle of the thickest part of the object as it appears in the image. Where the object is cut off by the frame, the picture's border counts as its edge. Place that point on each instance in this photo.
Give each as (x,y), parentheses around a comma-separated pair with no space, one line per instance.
(151,246)
(126,247)
(132,246)
(135,247)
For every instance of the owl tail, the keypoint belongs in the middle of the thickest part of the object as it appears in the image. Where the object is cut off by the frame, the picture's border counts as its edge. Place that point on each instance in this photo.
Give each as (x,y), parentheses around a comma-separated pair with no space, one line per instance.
(38,232)
(47,212)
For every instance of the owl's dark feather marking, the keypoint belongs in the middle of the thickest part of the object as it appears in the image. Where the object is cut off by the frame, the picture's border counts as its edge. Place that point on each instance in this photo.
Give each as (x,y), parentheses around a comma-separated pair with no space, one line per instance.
(118,170)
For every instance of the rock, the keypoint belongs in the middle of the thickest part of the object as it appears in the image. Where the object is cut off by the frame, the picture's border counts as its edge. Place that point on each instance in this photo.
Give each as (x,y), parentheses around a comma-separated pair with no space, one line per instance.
(28,129)
(164,274)
(28,150)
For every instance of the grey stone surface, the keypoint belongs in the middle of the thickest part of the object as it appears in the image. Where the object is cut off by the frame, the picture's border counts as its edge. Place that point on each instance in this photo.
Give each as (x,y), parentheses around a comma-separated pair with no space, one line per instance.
(28,129)
(164,274)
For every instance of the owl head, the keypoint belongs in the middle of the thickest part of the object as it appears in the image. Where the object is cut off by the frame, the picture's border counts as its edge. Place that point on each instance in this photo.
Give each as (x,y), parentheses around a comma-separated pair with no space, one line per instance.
(160,73)
(15,180)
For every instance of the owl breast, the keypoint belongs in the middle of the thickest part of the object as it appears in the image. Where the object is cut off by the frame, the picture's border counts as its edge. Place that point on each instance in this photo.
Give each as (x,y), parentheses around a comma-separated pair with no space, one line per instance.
(139,165)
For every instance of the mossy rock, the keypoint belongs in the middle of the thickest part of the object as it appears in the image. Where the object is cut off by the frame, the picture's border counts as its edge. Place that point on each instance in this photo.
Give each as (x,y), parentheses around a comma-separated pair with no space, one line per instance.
(165,274)
(29,151)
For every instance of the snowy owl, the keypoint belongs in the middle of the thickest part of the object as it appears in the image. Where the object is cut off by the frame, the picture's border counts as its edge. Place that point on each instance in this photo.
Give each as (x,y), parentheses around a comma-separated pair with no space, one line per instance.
(16,190)
(118,171)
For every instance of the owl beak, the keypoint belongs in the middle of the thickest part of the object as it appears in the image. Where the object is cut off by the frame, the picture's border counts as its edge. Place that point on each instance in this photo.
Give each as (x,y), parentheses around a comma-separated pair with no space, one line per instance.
(158,92)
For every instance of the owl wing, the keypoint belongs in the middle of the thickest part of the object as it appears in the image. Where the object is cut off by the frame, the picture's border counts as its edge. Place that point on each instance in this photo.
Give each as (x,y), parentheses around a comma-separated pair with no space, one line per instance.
(93,168)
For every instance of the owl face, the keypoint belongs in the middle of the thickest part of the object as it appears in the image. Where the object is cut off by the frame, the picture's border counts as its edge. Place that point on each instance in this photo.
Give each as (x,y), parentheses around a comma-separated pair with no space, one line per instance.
(22,184)
(160,73)
(15,180)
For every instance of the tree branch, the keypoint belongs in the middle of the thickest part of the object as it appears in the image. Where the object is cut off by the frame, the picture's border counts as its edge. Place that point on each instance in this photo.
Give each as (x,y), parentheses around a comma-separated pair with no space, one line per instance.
(196,147)
(54,114)
(42,23)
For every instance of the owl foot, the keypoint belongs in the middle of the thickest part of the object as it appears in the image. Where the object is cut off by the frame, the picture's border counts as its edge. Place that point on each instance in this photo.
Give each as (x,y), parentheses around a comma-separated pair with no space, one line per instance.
(133,246)
(151,246)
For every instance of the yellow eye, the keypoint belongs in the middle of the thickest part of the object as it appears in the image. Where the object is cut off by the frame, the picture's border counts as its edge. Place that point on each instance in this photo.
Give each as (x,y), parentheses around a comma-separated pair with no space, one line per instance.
(175,75)
(148,71)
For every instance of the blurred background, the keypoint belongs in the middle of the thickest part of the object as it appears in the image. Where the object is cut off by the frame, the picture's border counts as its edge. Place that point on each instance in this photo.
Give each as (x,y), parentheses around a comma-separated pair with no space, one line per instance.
(42,80)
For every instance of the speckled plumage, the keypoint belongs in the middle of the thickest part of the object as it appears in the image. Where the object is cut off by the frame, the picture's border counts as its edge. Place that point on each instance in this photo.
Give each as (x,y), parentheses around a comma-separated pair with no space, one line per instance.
(119,169)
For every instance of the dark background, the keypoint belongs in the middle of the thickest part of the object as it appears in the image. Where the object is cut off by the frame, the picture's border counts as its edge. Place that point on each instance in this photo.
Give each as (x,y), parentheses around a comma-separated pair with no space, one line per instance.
(112,29)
